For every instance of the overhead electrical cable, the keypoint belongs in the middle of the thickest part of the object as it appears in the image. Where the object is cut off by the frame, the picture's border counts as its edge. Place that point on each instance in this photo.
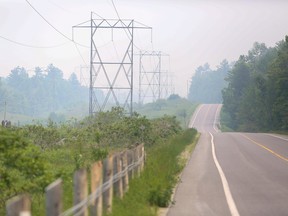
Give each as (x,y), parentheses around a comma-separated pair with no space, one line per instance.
(52,25)
(31,46)
(80,54)
(114,6)
(115,9)
(47,21)
(58,30)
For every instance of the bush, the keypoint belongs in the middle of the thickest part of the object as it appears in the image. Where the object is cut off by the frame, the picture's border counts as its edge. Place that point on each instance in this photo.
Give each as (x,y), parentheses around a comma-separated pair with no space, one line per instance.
(160,197)
(44,137)
(22,167)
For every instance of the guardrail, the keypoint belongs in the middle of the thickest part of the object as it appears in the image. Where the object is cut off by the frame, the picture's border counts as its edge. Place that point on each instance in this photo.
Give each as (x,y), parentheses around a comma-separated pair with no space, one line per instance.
(108,177)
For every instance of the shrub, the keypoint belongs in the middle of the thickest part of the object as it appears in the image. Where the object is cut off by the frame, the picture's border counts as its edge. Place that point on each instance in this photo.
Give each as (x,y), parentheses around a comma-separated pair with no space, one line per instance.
(22,167)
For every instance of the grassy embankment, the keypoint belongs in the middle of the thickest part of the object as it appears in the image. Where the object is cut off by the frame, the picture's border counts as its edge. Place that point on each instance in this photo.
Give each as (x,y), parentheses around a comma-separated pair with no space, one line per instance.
(72,151)
(155,186)
(180,107)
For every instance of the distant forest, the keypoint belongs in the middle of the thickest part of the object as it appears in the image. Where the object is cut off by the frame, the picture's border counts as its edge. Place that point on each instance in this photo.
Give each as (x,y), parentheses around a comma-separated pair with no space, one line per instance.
(253,90)
(43,94)
(207,84)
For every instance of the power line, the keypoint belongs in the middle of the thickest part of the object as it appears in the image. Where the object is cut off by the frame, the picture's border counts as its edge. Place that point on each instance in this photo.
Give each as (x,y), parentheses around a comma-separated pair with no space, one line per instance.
(75,43)
(47,21)
(115,9)
(52,25)
(80,54)
(114,6)
(32,46)
(58,6)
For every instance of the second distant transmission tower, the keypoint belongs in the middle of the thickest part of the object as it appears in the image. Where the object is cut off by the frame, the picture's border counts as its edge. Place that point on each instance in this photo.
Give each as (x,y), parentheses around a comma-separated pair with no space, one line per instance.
(113,79)
(153,82)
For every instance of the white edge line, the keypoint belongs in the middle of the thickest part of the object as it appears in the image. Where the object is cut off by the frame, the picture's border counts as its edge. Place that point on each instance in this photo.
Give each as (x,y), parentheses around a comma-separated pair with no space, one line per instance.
(277,137)
(195,116)
(228,195)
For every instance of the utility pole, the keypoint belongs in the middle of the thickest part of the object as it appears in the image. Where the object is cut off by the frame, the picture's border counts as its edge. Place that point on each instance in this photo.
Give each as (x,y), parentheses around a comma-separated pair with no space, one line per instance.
(111,76)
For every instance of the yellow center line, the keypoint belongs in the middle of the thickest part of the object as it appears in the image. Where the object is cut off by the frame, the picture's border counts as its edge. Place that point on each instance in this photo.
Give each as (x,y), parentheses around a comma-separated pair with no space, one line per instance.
(264,147)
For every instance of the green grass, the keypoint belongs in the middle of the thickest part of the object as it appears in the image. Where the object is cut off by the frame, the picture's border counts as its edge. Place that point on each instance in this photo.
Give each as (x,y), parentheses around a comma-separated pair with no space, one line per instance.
(79,111)
(181,108)
(155,186)
(17,118)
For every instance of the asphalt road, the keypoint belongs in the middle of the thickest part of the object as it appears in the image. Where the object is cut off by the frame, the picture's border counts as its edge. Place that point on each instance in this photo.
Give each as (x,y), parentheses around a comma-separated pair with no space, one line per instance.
(233,173)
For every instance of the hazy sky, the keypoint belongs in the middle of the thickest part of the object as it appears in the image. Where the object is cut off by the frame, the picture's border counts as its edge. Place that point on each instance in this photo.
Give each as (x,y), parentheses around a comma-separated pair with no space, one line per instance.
(193,32)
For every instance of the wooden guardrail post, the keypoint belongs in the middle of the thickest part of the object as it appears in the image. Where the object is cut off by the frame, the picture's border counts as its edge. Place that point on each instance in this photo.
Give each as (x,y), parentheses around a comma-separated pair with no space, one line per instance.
(143,157)
(118,170)
(125,167)
(19,205)
(138,157)
(135,155)
(54,198)
(108,177)
(101,172)
(131,162)
(96,183)
(80,189)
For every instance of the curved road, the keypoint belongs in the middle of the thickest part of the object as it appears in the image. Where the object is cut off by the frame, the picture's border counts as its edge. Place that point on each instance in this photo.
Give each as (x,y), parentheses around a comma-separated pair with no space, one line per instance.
(233,173)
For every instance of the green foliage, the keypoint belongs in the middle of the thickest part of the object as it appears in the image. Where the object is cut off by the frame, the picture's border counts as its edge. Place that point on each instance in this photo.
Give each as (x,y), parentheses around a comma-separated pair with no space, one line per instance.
(116,129)
(160,197)
(154,187)
(44,137)
(174,97)
(99,154)
(206,84)
(43,93)
(278,84)
(173,106)
(22,166)
(54,151)
(166,126)
(256,96)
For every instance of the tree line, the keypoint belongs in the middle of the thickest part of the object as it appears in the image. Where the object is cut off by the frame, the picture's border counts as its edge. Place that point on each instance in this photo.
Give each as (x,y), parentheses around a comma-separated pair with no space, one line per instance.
(253,90)
(44,93)
(207,84)
(256,98)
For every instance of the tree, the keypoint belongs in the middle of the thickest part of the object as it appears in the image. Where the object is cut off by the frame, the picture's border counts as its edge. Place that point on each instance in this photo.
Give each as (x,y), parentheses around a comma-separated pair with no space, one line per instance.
(39,73)
(54,73)
(43,93)
(206,84)
(256,96)
(278,84)
(18,78)
(174,97)
(74,80)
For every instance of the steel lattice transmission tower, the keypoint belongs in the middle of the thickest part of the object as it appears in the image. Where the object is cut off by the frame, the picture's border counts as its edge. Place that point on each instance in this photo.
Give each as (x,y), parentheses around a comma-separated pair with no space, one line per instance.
(114,78)
(153,81)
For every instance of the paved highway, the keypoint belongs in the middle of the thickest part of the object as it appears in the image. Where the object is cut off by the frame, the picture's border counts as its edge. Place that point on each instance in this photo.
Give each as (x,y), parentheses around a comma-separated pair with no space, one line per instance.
(233,173)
